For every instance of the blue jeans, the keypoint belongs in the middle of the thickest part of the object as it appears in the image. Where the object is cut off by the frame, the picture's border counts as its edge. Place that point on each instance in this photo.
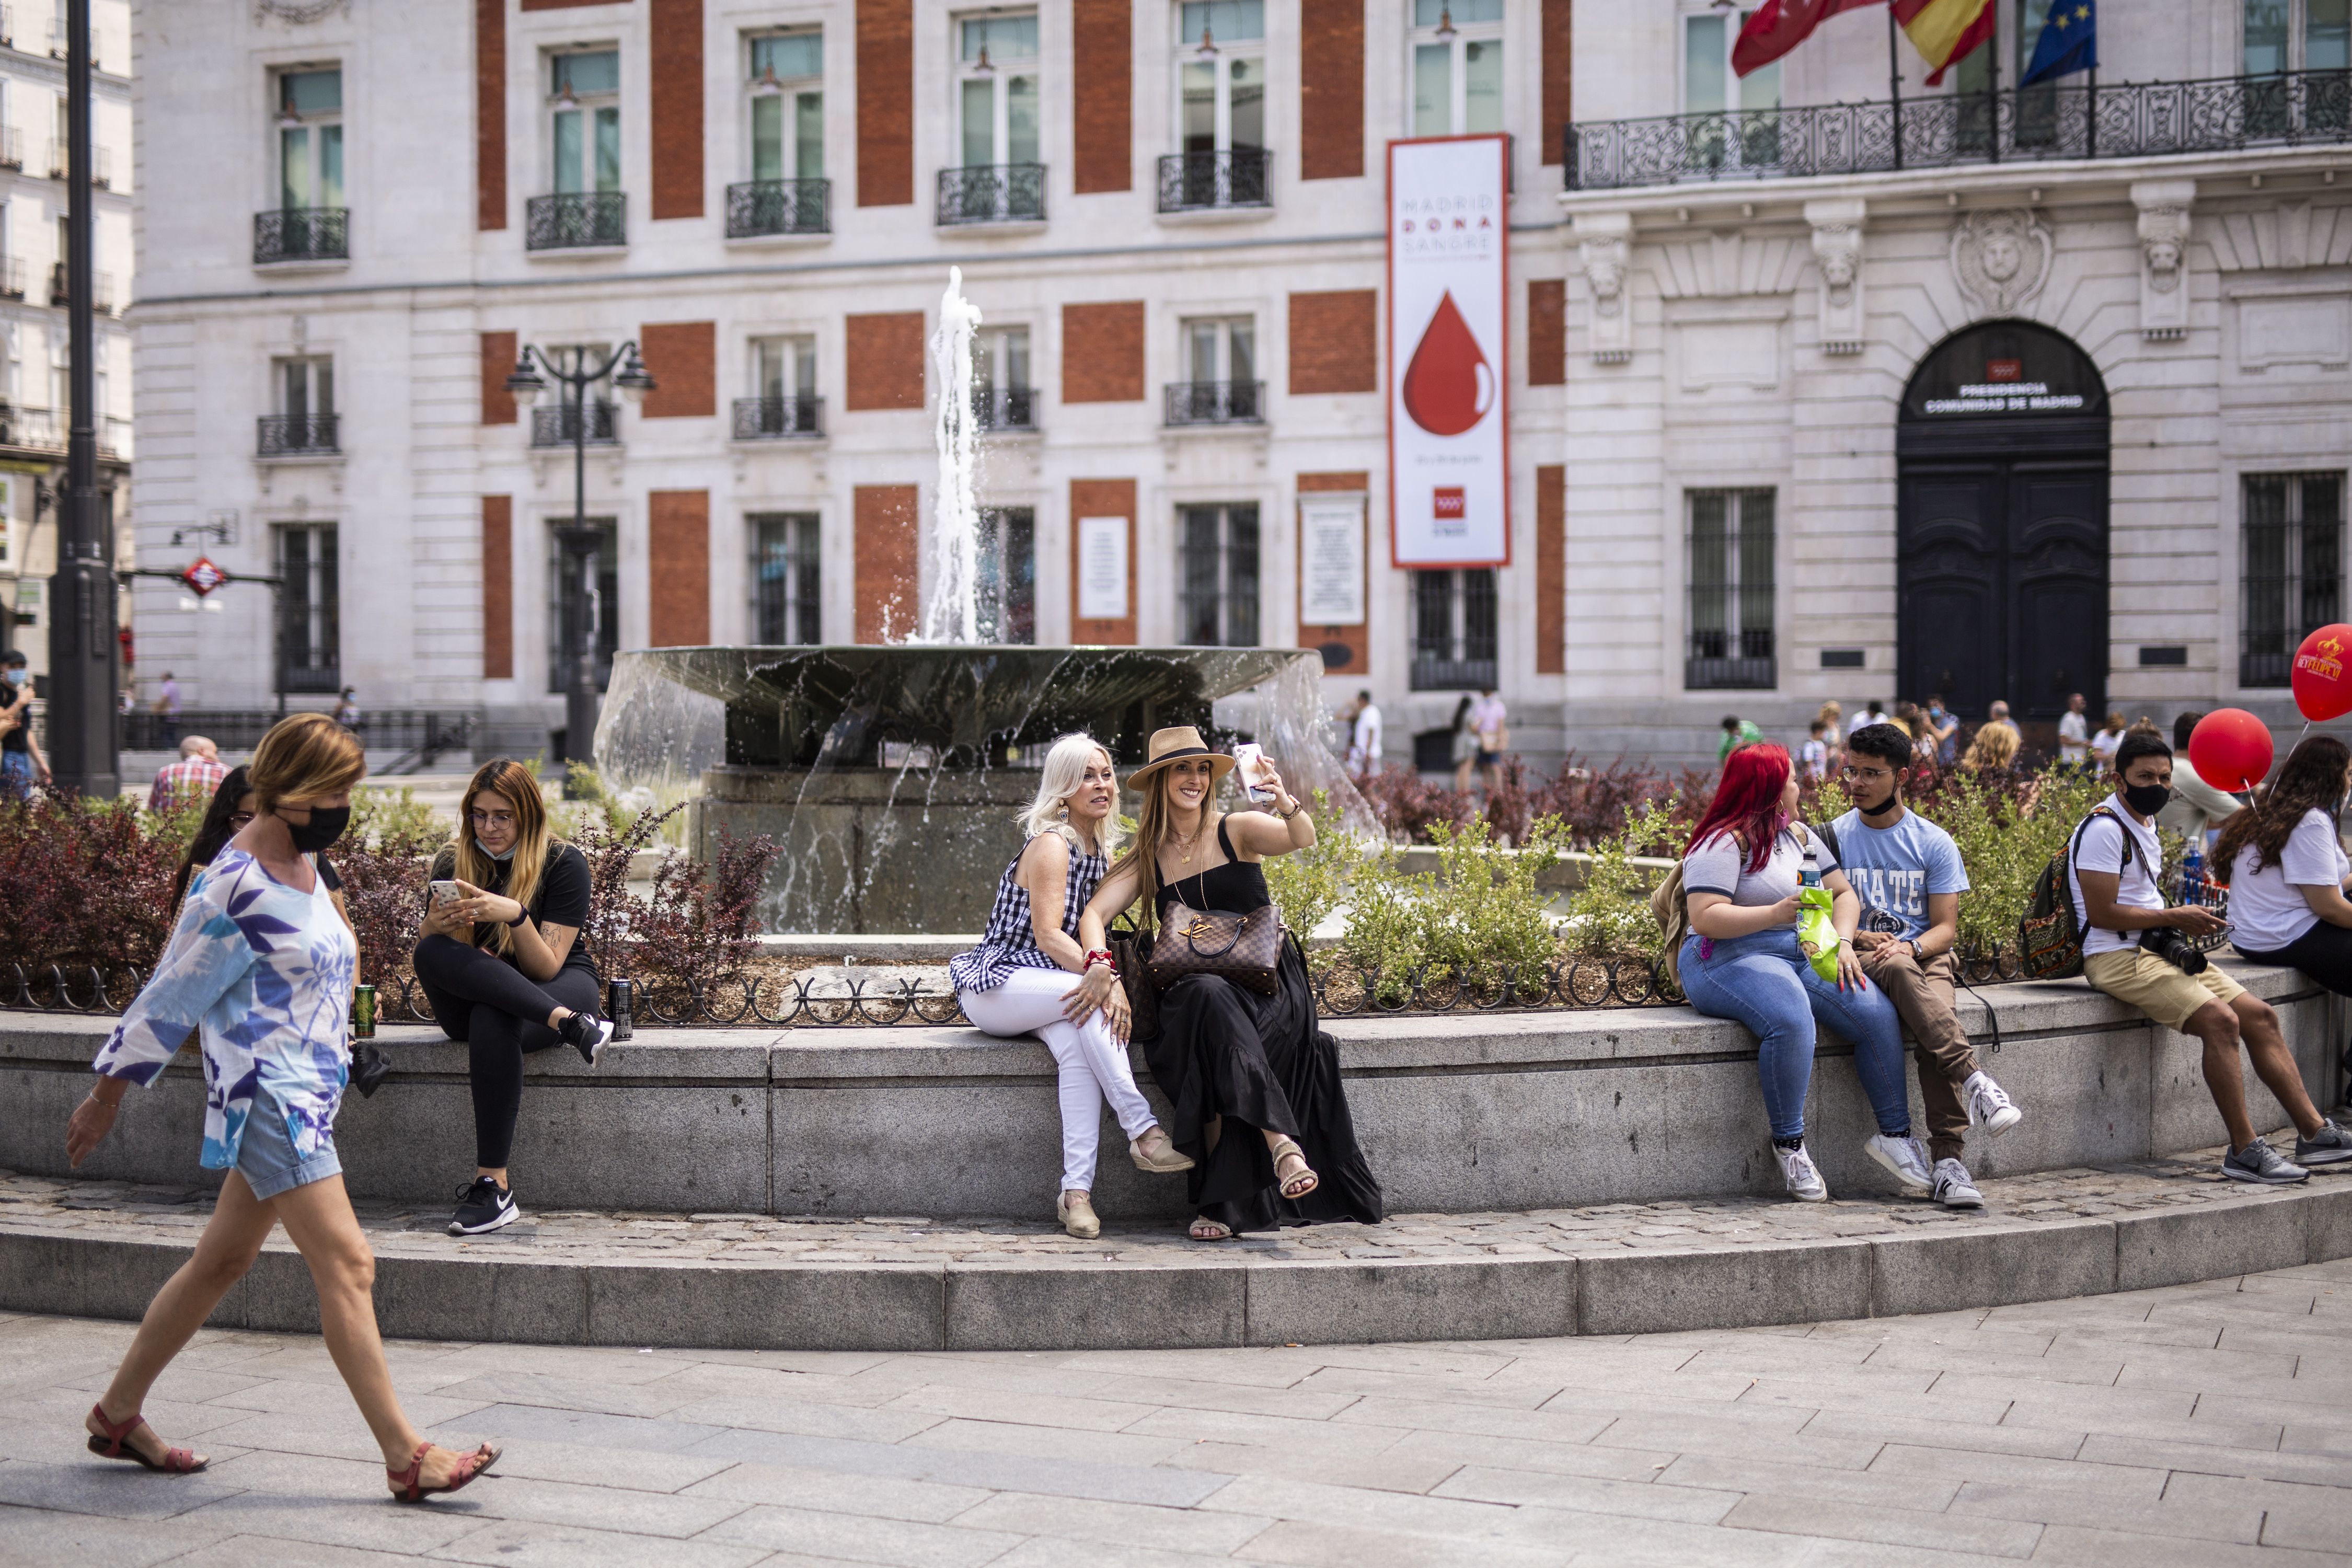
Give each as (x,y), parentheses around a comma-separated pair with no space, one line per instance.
(15,776)
(1763,982)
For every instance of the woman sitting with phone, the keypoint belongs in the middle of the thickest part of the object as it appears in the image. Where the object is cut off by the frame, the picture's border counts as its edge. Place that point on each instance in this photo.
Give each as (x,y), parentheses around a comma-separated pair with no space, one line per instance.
(501,962)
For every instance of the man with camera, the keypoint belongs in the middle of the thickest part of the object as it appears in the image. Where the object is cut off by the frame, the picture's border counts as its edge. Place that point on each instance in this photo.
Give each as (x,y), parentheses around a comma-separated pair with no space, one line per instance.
(2138,951)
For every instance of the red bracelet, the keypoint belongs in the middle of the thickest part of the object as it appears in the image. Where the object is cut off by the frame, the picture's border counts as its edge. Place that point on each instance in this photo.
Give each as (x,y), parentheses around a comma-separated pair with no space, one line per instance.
(1098,956)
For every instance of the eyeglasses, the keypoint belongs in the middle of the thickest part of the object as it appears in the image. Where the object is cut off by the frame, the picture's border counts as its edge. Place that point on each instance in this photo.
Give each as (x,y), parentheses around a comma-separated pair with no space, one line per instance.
(237,820)
(493,819)
(1871,773)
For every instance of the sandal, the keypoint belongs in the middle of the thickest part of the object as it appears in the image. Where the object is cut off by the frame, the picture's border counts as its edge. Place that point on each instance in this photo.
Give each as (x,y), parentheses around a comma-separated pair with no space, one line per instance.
(407,1486)
(1074,1211)
(1298,1185)
(175,1461)
(1157,1154)
(1207,1229)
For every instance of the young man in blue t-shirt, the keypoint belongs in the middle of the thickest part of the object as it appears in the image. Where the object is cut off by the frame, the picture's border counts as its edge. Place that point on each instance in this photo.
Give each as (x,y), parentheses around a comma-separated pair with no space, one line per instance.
(1909,875)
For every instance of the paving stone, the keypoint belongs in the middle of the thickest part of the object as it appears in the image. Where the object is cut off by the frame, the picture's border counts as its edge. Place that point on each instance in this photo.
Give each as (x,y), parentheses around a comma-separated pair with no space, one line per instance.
(989,1472)
(1639,1499)
(2067,1544)
(2204,1520)
(532,1545)
(1344,1546)
(1814,1518)
(1206,1533)
(37,1536)
(863,1540)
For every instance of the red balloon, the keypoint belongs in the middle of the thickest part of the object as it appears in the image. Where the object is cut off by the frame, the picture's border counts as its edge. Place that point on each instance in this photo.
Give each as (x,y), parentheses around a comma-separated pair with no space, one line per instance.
(2231,750)
(2321,690)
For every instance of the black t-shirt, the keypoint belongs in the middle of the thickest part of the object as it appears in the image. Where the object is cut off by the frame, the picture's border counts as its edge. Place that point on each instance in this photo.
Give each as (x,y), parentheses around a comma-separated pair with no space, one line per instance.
(20,737)
(562,897)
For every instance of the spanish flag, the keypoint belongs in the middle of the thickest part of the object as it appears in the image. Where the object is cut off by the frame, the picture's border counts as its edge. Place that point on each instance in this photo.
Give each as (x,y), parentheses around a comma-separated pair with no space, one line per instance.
(1945,31)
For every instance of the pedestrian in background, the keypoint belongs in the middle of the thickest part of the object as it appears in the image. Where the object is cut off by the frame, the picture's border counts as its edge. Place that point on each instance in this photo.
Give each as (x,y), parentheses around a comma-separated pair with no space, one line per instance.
(1465,745)
(167,707)
(1874,714)
(2074,732)
(21,763)
(1994,750)
(347,708)
(1364,736)
(1736,732)
(1489,719)
(1833,717)
(2104,744)
(1815,756)
(1943,730)
(193,778)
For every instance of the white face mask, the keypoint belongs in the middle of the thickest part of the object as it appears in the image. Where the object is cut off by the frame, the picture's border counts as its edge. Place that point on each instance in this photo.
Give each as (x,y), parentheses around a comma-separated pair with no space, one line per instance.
(494,854)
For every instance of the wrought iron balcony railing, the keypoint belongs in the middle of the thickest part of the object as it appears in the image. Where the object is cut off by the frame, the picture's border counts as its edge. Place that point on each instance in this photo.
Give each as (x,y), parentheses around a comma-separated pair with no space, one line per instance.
(1730,661)
(992,192)
(575,220)
(1432,672)
(1203,182)
(556,427)
(777,418)
(59,294)
(2064,120)
(12,145)
(1215,402)
(779,206)
(1004,407)
(12,276)
(303,234)
(295,434)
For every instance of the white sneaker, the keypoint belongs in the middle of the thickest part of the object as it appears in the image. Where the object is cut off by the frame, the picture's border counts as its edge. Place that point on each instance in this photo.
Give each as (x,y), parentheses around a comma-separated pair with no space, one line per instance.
(1905,1158)
(1805,1184)
(1989,1106)
(1955,1189)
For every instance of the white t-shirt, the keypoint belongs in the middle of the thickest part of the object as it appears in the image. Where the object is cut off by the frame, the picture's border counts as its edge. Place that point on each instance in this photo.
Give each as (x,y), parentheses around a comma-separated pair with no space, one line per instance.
(2106,744)
(1367,740)
(1815,756)
(2267,908)
(1864,720)
(2100,845)
(2073,738)
(1720,865)
(1486,721)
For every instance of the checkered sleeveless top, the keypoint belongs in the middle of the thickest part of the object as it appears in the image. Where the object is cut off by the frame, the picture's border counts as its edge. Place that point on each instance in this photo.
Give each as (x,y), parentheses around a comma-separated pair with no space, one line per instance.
(1010,942)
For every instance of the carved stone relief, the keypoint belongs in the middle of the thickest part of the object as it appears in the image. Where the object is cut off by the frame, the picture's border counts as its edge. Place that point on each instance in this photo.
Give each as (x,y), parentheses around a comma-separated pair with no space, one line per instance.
(2001,258)
(1604,245)
(2163,256)
(1837,245)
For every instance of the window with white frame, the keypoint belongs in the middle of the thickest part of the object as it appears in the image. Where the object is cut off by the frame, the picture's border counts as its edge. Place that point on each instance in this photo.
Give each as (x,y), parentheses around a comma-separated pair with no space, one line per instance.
(309,635)
(1731,590)
(1216,594)
(584,121)
(310,139)
(1001,398)
(996,89)
(1747,134)
(1457,67)
(2290,567)
(1219,364)
(1006,582)
(787,579)
(787,97)
(303,387)
(783,388)
(1220,76)
(1454,620)
(2297,36)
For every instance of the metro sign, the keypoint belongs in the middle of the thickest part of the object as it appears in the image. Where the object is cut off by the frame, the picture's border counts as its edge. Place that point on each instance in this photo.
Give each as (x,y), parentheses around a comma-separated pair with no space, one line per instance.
(202,576)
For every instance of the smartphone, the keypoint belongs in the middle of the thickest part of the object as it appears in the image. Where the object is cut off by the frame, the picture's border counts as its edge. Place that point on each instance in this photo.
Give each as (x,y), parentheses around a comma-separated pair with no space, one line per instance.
(442,892)
(1249,761)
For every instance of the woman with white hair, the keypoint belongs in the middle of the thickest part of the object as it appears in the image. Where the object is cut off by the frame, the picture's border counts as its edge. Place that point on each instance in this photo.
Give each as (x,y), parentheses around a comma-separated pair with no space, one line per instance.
(1021,979)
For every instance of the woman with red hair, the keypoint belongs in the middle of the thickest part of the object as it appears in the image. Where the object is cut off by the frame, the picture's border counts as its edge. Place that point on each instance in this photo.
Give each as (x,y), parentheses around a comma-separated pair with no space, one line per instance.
(1741,871)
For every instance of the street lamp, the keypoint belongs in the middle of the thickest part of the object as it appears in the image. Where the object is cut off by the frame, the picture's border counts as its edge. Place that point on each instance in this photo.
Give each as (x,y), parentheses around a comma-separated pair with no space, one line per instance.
(578,541)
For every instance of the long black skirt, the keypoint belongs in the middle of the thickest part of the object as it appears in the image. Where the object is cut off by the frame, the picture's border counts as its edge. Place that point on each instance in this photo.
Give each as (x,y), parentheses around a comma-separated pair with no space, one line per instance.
(1248,1063)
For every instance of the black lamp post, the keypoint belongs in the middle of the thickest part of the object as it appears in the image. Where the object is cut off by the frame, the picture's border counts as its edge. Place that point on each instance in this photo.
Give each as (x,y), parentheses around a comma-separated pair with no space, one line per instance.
(578,541)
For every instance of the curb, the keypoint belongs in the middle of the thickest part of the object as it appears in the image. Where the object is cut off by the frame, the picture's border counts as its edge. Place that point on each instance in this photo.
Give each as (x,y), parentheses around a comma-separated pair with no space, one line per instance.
(1221,1301)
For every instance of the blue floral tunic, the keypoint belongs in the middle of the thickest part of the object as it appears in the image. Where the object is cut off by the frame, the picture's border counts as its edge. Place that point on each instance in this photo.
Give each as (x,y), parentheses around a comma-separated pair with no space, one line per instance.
(266,973)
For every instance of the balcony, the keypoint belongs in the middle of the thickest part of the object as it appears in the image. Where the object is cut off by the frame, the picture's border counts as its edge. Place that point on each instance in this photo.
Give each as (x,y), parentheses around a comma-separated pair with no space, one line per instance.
(12,276)
(992,192)
(558,427)
(1004,408)
(12,146)
(302,234)
(758,208)
(296,436)
(2068,120)
(777,418)
(59,294)
(101,293)
(576,220)
(1212,182)
(1730,661)
(1216,402)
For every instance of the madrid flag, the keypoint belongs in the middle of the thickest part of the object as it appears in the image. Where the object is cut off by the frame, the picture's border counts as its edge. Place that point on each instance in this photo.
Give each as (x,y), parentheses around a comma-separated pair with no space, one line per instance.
(1778,26)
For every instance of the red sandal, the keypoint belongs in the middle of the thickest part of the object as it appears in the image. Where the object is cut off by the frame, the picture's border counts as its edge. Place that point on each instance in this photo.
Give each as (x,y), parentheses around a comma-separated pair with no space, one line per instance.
(407,1485)
(175,1461)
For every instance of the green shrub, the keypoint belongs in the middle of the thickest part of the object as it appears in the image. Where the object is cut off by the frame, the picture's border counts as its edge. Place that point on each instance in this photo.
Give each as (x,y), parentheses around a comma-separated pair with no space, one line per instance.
(1384,940)
(2005,838)
(395,819)
(1308,884)
(1485,915)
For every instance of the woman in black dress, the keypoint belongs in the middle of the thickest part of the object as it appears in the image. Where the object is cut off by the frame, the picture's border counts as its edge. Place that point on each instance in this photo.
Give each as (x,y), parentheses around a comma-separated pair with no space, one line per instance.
(1253,1083)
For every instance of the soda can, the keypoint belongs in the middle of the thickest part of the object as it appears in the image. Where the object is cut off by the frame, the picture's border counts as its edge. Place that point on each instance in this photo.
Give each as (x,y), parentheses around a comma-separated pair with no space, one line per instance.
(618,996)
(363,1011)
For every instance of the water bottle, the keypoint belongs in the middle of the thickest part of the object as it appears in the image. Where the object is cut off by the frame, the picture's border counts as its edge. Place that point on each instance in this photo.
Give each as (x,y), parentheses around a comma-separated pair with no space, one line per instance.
(2192,875)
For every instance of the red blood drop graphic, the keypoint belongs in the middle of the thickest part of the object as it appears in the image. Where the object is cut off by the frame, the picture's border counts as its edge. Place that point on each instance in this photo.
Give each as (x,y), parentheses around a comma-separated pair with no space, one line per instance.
(1449,386)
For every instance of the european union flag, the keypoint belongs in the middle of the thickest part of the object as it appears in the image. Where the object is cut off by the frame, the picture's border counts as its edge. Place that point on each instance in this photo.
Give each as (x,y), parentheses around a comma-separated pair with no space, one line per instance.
(2069,42)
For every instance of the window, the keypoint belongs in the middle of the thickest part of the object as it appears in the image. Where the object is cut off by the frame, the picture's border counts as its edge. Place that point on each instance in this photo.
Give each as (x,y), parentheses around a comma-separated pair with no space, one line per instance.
(1453,630)
(310,139)
(2291,563)
(1007,581)
(563,590)
(555,418)
(584,121)
(305,421)
(2297,35)
(309,656)
(785,579)
(996,89)
(1730,591)
(1220,104)
(1457,67)
(1216,601)
(783,400)
(1748,135)
(1001,395)
(788,107)
(1220,371)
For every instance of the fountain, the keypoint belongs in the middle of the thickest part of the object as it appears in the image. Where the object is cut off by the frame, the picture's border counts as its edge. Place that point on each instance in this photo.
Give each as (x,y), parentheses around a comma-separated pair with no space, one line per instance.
(892,774)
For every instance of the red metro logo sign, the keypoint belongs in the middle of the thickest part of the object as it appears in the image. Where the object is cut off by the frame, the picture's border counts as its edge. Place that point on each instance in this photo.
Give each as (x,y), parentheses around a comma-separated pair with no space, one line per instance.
(202,576)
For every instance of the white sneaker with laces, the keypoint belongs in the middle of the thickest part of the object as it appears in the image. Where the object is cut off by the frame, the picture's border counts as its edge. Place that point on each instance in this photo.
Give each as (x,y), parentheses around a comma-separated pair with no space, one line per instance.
(1989,1106)
(1805,1184)
(1906,1160)
(1955,1189)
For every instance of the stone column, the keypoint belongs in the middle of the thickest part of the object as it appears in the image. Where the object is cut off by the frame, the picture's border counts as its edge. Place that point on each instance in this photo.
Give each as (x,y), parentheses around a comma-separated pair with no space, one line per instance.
(2163,256)
(1837,243)
(1604,240)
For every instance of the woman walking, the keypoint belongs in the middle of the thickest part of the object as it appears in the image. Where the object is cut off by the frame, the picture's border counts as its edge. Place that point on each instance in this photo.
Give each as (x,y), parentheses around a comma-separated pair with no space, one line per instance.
(1465,745)
(1253,1083)
(1741,871)
(502,965)
(1019,980)
(260,963)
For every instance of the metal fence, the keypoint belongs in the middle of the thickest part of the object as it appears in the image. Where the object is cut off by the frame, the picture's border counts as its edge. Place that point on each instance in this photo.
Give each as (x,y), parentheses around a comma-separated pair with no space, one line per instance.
(575,219)
(992,193)
(302,234)
(757,207)
(241,729)
(1195,181)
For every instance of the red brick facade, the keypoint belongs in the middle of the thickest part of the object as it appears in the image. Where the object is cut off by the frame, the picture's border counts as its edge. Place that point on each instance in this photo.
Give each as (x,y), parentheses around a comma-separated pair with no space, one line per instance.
(1330,89)
(1102,94)
(682,358)
(497,363)
(888,586)
(497,587)
(886,102)
(1558,30)
(1102,498)
(489,114)
(1335,341)
(1355,640)
(886,360)
(678,563)
(1102,352)
(677,71)
(1547,332)
(1551,570)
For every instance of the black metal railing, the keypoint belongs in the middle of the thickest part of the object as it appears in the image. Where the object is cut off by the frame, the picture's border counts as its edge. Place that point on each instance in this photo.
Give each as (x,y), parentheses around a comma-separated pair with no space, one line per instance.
(1730,672)
(284,434)
(774,418)
(779,206)
(1434,674)
(1195,181)
(303,234)
(2055,120)
(558,426)
(1216,402)
(575,219)
(992,192)
(59,295)
(241,729)
(1004,407)
(12,276)
(12,145)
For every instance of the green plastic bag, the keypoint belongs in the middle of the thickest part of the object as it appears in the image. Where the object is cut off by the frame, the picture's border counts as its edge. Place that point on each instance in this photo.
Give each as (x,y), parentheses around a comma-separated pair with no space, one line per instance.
(1817,935)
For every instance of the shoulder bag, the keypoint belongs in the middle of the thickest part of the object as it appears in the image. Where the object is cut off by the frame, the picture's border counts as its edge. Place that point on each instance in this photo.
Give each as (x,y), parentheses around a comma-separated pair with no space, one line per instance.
(1244,949)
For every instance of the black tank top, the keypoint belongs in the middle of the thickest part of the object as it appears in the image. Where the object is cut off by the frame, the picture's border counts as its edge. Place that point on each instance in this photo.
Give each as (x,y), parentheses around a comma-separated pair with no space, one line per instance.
(1236,887)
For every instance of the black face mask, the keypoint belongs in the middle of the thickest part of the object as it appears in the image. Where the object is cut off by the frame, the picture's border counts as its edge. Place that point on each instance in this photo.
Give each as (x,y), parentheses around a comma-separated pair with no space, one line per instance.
(2147,799)
(326,824)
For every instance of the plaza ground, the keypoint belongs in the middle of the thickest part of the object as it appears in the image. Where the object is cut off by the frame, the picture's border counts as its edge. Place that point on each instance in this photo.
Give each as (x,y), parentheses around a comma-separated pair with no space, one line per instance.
(2196,1423)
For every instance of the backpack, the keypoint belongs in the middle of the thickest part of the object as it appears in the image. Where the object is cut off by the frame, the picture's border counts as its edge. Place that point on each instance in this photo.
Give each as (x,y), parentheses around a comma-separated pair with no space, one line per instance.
(1670,906)
(2049,934)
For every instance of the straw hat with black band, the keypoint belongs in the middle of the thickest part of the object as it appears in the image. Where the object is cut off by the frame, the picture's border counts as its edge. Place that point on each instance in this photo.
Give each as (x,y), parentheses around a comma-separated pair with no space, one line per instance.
(1176,745)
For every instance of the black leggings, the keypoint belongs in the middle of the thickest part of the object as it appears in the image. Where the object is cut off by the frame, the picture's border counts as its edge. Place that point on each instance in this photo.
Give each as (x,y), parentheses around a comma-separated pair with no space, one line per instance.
(483,1000)
(2323,953)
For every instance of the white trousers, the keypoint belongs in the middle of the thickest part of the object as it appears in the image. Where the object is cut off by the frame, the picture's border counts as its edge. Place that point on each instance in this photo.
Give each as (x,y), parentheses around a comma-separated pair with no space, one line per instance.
(1094,1065)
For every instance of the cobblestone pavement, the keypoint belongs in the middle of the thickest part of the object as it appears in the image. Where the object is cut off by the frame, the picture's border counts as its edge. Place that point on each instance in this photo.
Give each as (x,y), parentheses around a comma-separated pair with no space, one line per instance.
(119,1210)
(2195,1424)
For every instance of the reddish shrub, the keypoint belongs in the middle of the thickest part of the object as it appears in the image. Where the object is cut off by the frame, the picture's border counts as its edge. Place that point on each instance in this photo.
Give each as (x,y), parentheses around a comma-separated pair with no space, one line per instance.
(86,882)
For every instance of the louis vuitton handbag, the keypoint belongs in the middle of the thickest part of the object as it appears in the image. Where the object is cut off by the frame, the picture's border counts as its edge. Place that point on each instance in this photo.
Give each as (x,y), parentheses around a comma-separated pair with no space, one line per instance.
(1244,949)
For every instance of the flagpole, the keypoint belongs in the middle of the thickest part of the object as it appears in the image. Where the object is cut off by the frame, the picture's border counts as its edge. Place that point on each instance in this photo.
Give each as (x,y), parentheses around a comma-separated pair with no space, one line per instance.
(1992,82)
(2091,116)
(1894,80)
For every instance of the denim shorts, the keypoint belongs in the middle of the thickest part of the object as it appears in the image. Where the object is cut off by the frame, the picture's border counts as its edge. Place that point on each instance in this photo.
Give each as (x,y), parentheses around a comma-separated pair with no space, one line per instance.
(265,1157)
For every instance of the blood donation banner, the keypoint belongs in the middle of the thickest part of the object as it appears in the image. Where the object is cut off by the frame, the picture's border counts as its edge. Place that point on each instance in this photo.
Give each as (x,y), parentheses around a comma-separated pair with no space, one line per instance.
(1448,346)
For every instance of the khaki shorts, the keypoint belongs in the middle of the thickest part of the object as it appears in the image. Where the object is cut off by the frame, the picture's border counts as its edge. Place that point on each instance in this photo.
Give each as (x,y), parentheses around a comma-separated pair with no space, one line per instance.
(2158,989)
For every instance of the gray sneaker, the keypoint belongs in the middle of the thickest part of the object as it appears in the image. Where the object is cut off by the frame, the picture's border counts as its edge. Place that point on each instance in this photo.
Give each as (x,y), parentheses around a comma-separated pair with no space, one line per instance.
(1906,1160)
(2260,1163)
(1955,1189)
(2331,1145)
(1805,1184)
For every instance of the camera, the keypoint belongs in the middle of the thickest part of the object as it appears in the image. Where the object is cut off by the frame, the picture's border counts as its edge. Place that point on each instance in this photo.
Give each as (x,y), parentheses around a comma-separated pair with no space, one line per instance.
(2173,948)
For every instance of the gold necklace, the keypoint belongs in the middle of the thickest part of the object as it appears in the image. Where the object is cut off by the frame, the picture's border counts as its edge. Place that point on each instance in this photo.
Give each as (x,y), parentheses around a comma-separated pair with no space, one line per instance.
(1191,845)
